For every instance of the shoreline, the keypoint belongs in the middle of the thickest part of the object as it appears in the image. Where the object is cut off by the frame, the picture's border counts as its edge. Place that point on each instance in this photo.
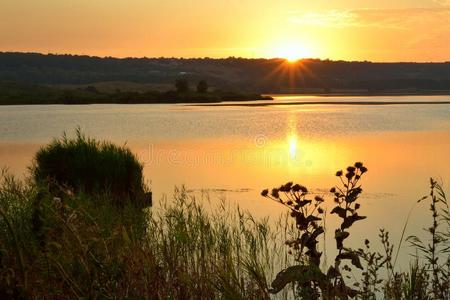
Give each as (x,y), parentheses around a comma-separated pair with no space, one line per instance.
(177,101)
(268,100)
(247,103)
(327,103)
(349,93)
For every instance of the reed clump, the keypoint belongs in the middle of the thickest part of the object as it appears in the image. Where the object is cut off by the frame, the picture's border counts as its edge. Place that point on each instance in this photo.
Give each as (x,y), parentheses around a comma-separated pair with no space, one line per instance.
(85,165)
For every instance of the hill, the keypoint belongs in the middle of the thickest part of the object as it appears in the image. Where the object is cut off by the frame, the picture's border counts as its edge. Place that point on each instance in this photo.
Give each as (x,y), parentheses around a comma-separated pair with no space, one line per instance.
(231,74)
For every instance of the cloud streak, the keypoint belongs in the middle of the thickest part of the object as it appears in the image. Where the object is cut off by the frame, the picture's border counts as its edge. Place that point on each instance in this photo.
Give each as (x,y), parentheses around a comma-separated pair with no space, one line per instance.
(401,19)
(443,2)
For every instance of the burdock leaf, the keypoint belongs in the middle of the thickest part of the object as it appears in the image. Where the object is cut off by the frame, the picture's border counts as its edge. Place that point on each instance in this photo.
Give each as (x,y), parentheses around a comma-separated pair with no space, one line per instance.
(353,195)
(333,272)
(339,211)
(351,292)
(299,274)
(317,232)
(312,218)
(340,236)
(353,257)
(348,221)
(304,239)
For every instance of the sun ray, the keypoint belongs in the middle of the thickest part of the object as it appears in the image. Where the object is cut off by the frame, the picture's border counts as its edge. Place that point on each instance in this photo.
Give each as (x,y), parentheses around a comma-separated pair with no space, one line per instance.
(289,74)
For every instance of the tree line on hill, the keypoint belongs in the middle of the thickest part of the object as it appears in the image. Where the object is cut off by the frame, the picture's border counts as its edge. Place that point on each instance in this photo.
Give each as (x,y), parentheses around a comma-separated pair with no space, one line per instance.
(238,74)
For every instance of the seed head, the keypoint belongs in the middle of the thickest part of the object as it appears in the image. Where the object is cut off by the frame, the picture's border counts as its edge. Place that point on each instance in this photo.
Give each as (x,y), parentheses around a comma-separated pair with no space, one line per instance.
(351,169)
(275,193)
(296,187)
(349,175)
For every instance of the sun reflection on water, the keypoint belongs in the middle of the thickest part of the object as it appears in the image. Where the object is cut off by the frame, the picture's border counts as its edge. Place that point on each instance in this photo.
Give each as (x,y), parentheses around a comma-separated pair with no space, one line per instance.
(292,144)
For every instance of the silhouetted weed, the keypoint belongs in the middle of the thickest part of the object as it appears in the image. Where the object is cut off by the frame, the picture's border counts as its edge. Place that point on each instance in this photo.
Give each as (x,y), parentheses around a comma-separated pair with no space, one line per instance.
(436,248)
(309,280)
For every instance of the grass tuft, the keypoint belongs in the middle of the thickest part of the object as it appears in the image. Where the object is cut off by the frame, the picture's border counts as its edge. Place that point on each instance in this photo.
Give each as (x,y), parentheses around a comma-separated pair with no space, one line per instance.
(95,168)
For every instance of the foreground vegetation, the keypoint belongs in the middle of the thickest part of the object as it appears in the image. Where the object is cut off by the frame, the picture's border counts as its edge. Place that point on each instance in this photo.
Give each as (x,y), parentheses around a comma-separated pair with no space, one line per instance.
(76,248)
(61,240)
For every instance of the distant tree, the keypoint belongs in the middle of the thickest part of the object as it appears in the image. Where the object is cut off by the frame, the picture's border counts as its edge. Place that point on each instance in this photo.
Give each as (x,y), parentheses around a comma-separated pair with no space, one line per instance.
(202,87)
(182,85)
(91,89)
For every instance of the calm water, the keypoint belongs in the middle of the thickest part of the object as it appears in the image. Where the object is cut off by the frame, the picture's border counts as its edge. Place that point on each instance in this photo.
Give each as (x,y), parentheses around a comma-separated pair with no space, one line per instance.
(235,152)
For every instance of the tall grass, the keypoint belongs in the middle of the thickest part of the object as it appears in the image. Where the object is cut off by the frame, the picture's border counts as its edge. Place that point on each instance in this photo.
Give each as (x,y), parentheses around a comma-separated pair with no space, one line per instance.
(73,247)
(225,252)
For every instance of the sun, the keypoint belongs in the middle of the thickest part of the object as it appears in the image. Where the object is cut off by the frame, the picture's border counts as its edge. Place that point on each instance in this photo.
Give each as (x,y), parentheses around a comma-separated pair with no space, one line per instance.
(292,51)
(291,55)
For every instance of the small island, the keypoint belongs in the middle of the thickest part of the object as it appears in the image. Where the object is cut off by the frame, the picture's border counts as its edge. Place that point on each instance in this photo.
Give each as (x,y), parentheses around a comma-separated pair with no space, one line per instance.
(18,93)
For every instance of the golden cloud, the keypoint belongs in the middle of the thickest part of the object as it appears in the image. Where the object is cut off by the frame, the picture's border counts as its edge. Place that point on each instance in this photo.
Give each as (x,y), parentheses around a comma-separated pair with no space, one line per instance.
(380,18)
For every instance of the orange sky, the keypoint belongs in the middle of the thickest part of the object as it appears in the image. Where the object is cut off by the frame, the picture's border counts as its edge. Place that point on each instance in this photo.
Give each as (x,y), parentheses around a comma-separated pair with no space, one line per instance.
(377,30)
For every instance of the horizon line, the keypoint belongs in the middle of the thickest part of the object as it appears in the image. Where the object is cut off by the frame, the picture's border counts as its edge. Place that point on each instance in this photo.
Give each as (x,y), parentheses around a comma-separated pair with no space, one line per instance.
(221,58)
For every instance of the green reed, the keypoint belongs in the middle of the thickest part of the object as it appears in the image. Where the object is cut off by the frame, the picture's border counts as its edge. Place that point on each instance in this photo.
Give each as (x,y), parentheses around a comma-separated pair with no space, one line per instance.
(73,246)
(92,167)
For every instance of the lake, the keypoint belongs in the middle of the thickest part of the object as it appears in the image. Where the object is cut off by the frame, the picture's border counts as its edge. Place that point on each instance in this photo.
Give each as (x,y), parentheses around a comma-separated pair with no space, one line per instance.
(233,152)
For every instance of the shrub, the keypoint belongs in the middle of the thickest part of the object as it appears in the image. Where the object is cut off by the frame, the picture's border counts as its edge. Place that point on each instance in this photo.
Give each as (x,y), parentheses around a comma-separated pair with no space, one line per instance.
(85,165)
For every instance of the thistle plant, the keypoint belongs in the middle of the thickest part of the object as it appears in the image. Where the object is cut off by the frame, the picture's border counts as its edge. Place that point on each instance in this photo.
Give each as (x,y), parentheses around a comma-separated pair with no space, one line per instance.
(347,206)
(308,213)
